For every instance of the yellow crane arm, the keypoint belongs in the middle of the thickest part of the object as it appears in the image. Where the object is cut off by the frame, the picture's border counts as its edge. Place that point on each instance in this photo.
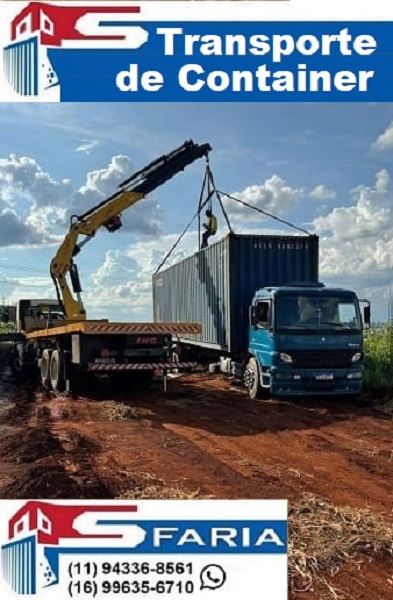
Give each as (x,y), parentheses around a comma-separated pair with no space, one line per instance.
(63,262)
(107,214)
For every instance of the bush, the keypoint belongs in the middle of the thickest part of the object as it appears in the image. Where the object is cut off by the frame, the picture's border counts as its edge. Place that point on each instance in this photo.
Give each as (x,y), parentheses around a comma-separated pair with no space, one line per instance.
(6,328)
(378,359)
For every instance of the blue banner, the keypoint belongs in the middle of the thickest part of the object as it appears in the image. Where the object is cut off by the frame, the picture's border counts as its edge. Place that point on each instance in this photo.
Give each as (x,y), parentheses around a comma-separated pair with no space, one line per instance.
(204,61)
(236,63)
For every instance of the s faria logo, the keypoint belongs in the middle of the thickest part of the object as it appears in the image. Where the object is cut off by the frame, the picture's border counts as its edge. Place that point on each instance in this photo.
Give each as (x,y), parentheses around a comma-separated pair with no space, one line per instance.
(43,538)
(39,532)
(40,30)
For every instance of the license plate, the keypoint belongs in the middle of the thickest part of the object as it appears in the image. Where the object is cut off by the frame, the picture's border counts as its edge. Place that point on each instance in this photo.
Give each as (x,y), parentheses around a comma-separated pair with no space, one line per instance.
(324,376)
(105,361)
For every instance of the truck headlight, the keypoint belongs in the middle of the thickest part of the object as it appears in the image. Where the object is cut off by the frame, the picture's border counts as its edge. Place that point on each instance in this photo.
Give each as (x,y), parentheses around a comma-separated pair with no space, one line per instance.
(356,357)
(355,375)
(286,358)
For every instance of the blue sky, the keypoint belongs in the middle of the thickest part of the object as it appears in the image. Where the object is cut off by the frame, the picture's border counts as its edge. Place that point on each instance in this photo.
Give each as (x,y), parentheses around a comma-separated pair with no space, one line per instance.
(325,167)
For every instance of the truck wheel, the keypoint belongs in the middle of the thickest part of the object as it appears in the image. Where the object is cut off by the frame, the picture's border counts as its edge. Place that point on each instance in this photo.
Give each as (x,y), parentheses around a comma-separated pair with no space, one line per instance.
(44,369)
(251,379)
(56,371)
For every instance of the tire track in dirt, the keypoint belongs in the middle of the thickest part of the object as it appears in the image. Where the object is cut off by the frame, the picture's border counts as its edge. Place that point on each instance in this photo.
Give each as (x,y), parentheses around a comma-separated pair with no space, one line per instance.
(340,451)
(141,449)
(297,464)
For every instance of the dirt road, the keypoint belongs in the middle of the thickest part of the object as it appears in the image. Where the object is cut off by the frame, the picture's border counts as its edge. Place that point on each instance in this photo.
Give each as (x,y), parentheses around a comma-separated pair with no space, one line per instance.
(205,438)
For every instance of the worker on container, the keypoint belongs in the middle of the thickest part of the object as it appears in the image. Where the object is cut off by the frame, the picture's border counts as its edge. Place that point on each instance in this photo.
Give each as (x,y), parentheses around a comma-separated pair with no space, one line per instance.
(210,228)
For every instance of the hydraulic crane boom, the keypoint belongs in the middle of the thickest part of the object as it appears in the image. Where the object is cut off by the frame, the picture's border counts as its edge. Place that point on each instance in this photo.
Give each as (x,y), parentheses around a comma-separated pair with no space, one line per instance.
(107,214)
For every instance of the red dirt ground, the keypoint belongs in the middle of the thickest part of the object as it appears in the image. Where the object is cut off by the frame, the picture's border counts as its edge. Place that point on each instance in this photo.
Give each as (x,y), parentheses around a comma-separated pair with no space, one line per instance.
(203,437)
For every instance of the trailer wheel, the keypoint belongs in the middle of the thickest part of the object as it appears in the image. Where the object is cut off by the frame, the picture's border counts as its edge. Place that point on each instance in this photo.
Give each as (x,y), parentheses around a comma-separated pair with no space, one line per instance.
(251,379)
(56,371)
(44,369)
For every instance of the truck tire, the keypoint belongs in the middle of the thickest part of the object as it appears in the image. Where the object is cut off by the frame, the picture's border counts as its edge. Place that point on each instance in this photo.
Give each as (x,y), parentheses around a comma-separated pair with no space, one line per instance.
(56,371)
(44,368)
(252,379)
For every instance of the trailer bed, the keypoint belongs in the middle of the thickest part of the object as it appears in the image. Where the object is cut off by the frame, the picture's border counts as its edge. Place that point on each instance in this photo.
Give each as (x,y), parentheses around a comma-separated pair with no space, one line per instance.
(107,328)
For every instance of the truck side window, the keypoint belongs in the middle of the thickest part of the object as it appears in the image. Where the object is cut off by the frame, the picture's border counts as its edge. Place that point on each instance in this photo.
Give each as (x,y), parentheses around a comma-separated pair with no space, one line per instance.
(263,313)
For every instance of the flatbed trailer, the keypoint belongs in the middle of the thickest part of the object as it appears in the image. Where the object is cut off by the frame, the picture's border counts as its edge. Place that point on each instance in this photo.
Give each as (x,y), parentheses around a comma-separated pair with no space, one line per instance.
(63,354)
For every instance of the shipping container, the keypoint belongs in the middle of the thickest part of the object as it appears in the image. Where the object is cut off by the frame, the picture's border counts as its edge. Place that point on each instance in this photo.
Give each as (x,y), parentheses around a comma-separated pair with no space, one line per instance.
(215,286)
(21,66)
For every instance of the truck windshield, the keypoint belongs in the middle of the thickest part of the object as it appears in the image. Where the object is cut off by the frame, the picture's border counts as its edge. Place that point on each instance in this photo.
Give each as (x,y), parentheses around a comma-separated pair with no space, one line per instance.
(310,313)
(43,312)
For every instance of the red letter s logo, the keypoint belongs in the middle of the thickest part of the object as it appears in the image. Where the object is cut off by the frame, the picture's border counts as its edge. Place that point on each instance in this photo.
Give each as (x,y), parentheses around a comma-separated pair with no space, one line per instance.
(108,31)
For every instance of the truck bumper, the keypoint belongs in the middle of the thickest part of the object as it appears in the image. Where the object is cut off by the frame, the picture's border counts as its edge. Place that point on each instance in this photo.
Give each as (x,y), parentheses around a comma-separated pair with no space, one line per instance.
(314,382)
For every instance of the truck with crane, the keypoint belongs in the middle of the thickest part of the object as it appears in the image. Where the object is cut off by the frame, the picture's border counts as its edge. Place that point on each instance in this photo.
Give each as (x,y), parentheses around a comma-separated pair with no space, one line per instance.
(55,338)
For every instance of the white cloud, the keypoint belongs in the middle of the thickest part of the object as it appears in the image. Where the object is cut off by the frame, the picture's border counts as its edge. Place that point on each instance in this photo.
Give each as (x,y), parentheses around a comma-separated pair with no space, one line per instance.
(370,215)
(14,231)
(356,244)
(121,287)
(385,140)
(35,208)
(21,178)
(14,289)
(382,181)
(30,202)
(116,267)
(86,146)
(104,181)
(4,279)
(322,192)
(146,216)
(273,196)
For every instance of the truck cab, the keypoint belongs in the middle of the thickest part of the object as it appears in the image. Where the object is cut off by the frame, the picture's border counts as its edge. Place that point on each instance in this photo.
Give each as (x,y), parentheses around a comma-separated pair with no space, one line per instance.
(306,339)
(34,314)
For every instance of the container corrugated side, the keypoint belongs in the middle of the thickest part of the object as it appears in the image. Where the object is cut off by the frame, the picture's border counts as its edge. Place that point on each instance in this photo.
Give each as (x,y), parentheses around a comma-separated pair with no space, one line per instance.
(197,290)
(215,287)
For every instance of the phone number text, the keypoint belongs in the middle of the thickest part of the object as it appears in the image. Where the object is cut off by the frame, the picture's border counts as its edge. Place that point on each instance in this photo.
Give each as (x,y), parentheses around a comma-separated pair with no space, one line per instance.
(93,569)
(93,588)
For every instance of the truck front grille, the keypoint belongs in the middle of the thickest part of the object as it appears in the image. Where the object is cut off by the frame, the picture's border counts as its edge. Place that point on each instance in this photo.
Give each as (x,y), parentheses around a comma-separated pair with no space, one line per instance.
(321,359)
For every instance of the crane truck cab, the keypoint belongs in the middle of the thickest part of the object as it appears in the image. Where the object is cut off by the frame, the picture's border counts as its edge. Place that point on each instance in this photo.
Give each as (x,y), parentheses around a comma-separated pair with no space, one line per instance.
(306,339)
(32,314)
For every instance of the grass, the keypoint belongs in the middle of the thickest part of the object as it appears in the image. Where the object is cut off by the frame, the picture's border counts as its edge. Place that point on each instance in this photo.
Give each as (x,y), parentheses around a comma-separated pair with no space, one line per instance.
(117,411)
(324,537)
(147,486)
(379,359)
(160,492)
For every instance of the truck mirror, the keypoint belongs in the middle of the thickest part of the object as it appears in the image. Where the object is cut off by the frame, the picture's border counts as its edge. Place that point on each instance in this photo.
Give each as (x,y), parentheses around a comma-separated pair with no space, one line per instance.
(367,316)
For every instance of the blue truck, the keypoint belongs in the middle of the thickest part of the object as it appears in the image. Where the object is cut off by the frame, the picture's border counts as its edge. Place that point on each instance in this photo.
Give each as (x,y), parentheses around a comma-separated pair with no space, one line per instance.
(266,319)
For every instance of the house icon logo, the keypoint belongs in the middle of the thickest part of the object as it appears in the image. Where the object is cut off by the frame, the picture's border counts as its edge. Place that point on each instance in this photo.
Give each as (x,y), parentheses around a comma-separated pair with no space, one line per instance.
(39,532)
